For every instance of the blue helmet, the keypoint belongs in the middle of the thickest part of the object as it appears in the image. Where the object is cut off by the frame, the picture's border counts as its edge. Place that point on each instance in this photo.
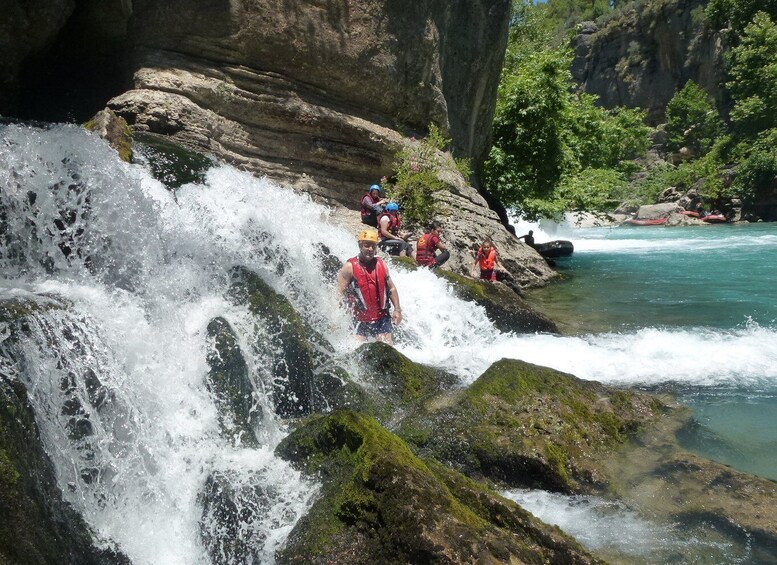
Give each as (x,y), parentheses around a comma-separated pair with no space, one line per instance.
(392,207)
(374,187)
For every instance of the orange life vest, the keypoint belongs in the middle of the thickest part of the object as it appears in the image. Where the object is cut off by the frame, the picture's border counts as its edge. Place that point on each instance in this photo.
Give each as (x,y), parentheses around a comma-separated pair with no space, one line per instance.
(368,288)
(487,260)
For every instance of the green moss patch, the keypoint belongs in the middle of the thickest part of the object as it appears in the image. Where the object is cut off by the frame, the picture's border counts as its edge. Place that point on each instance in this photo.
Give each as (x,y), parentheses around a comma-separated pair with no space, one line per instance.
(170,163)
(381,502)
(531,426)
(401,381)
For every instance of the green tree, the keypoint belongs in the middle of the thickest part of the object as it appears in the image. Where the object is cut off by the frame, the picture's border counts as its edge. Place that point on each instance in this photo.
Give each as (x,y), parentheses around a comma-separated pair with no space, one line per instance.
(692,120)
(568,13)
(753,72)
(737,14)
(544,134)
(756,176)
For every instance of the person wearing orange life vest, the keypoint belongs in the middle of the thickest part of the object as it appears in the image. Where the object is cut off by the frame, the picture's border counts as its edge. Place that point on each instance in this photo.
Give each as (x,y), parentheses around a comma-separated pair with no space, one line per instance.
(488,261)
(364,281)
(372,205)
(392,241)
(426,246)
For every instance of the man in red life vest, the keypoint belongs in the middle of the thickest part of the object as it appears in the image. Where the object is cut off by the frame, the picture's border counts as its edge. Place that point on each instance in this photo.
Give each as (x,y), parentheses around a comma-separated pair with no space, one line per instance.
(391,240)
(371,206)
(365,281)
(488,261)
(426,246)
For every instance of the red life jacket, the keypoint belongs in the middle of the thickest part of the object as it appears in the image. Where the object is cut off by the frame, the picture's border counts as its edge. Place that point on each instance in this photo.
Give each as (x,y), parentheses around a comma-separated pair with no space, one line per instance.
(486,261)
(394,224)
(368,287)
(366,211)
(424,251)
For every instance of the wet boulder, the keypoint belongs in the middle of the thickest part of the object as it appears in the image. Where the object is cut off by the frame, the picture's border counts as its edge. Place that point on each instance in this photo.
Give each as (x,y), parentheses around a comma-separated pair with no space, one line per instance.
(303,376)
(230,384)
(231,505)
(508,311)
(379,503)
(37,525)
(114,130)
(530,426)
(395,383)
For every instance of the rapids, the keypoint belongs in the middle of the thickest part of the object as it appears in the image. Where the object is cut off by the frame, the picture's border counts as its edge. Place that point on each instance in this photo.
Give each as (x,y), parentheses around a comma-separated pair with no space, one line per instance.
(133,272)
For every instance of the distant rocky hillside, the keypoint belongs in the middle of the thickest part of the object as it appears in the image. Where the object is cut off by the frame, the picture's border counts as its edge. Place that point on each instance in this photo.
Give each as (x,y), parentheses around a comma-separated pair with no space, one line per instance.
(647,51)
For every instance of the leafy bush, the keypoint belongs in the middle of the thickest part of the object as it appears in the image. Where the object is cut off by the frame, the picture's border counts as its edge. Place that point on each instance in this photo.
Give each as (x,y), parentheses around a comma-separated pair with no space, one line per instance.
(753,84)
(415,180)
(593,189)
(692,120)
(737,14)
(757,175)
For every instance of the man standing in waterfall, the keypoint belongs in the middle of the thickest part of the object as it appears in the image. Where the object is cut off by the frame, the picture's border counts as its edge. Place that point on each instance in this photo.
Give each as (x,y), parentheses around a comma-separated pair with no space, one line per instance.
(365,283)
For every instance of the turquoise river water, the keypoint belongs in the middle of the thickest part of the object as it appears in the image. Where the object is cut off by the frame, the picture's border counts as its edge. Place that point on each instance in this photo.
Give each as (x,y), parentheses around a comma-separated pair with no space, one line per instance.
(703,300)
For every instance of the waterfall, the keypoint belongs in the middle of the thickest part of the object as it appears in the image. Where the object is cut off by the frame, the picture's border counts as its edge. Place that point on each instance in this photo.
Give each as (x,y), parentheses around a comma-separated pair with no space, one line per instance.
(125,276)
(122,278)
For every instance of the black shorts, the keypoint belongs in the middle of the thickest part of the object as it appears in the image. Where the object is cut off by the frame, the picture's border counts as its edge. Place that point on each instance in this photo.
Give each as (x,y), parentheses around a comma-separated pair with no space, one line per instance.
(372,329)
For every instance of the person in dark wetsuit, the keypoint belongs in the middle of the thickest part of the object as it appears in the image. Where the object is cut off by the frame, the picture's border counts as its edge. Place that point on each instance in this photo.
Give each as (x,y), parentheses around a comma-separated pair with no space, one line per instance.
(364,280)
(528,238)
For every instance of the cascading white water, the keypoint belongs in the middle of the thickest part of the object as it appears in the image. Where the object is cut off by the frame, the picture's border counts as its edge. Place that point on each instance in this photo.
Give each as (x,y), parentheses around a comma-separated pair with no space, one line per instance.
(136,275)
(117,361)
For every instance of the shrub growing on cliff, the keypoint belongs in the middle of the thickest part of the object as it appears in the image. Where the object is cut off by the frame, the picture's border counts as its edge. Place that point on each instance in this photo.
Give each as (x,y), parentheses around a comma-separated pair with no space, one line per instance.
(416,179)
(737,14)
(692,120)
(756,177)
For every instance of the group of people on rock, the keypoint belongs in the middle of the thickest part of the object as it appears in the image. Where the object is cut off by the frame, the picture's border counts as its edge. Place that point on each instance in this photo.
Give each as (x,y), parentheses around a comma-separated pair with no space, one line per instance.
(364,280)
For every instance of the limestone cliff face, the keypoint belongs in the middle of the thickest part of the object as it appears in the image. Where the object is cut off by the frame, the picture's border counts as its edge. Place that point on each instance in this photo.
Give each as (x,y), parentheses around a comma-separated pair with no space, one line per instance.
(314,92)
(646,52)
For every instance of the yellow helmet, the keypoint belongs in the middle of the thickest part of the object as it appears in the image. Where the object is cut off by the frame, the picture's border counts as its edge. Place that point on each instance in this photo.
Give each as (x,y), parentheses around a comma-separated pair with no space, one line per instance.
(368,235)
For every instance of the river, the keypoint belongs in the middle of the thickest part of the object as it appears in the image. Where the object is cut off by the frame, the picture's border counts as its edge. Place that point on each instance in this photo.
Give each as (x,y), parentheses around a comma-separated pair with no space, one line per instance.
(688,311)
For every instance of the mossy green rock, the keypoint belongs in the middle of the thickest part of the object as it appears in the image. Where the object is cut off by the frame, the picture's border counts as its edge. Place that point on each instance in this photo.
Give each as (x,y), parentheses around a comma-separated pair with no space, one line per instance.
(304,377)
(230,384)
(508,311)
(170,163)
(530,426)
(115,130)
(396,382)
(379,503)
(37,526)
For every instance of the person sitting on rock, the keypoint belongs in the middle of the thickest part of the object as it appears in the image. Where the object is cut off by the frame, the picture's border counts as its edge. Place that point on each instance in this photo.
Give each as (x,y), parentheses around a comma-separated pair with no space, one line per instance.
(528,238)
(391,240)
(364,282)
(426,246)
(487,259)
(371,206)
